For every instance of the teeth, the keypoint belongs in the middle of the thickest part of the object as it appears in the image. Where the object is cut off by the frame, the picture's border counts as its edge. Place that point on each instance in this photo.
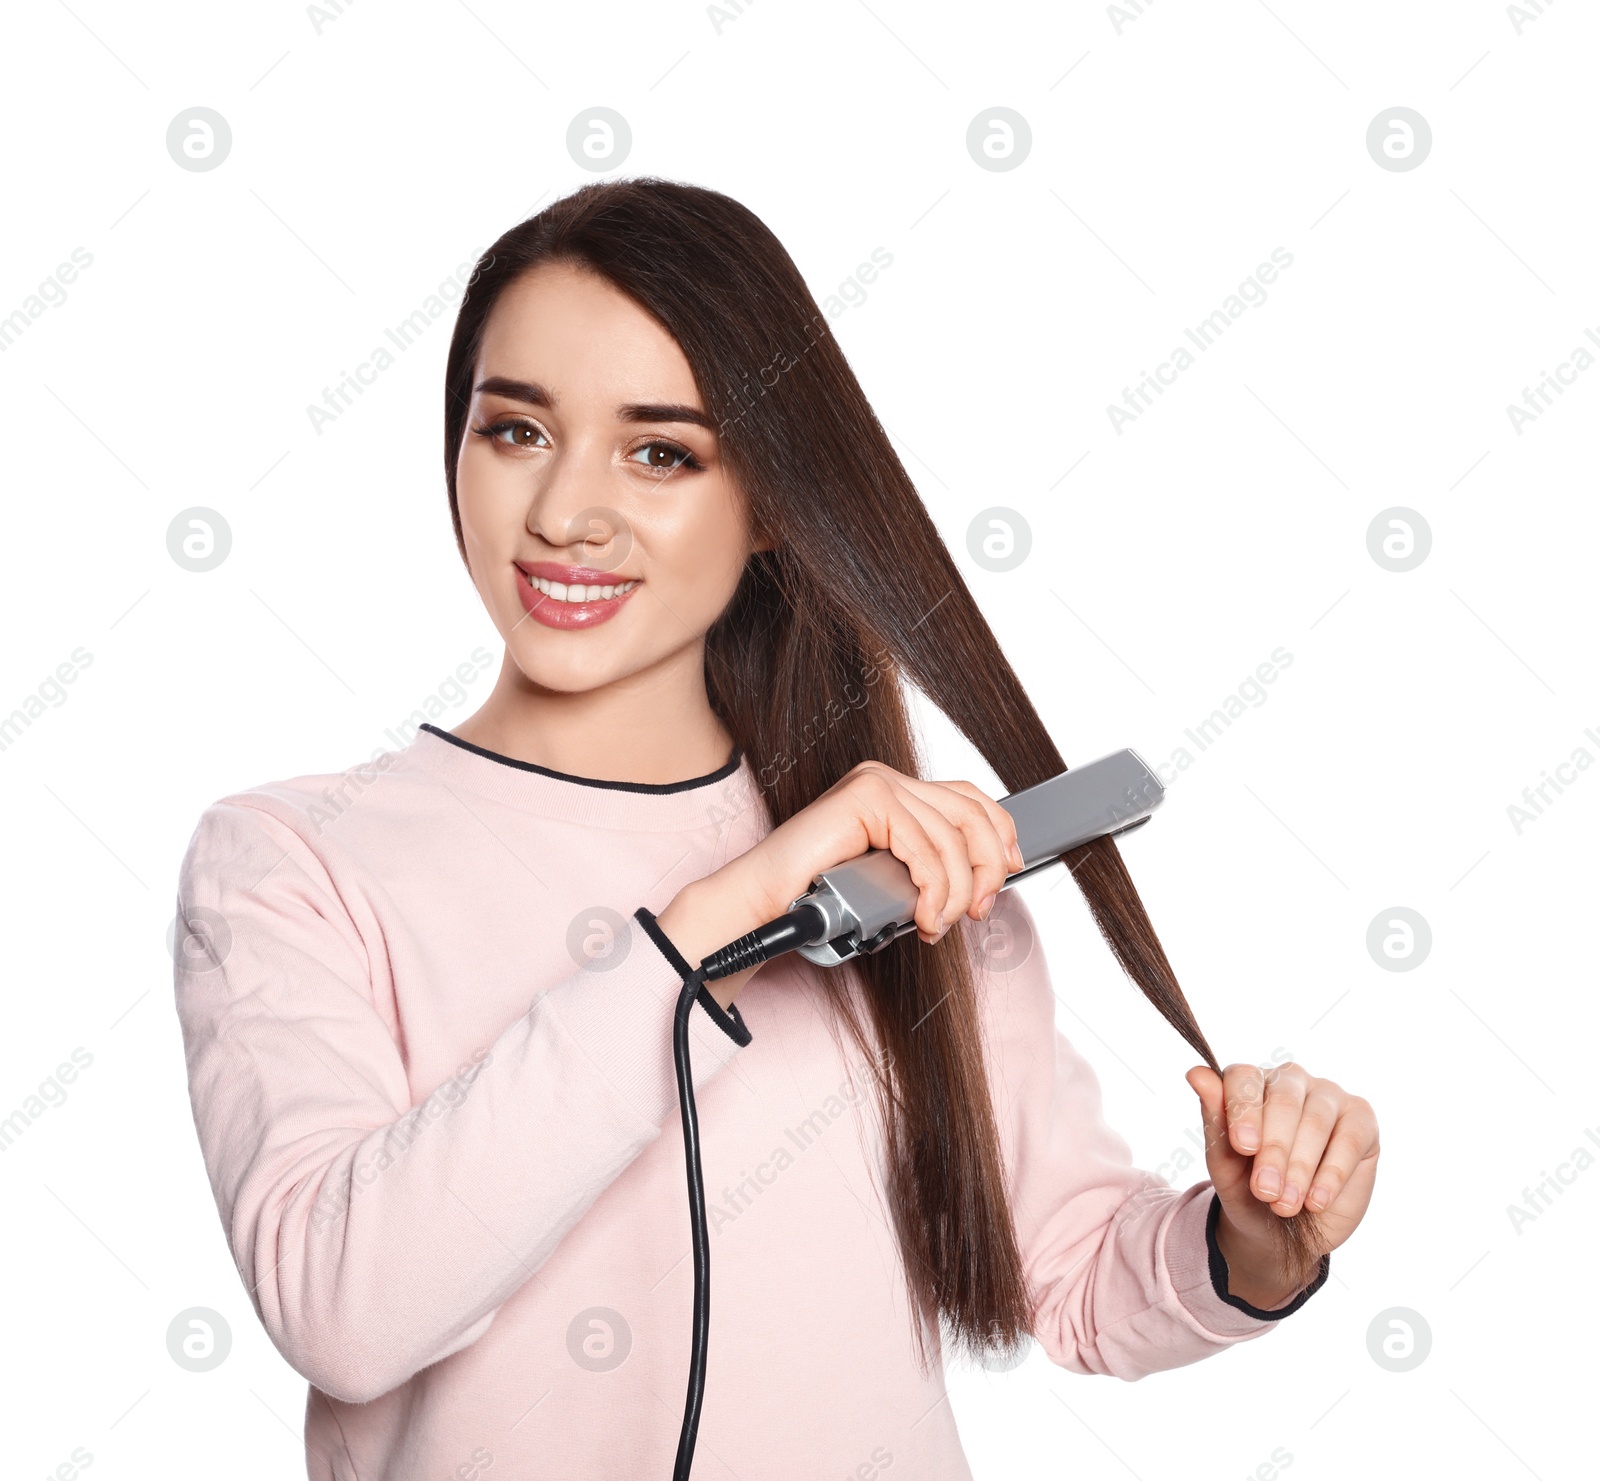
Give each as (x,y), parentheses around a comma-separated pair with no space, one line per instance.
(563,593)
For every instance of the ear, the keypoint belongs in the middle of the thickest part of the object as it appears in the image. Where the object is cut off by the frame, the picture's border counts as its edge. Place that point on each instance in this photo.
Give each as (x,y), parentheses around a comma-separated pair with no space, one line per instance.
(761,540)
(759,536)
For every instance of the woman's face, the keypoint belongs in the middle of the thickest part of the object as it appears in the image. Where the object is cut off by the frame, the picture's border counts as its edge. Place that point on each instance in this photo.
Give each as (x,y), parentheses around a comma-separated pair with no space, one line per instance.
(590,462)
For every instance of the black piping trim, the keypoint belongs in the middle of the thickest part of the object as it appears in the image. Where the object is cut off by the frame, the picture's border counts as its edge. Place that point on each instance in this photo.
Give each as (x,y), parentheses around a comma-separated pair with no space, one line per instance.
(727,769)
(1219,1273)
(730,1022)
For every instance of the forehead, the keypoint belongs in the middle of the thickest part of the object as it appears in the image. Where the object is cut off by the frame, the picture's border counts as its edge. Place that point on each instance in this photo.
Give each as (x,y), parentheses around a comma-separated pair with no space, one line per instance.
(583,338)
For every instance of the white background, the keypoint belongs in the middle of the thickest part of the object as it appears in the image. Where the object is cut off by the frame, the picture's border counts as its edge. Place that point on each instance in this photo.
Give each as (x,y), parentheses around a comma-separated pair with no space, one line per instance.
(1171,152)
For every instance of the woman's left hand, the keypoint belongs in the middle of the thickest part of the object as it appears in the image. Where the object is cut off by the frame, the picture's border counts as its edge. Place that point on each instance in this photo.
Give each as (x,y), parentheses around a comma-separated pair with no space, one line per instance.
(1278,1140)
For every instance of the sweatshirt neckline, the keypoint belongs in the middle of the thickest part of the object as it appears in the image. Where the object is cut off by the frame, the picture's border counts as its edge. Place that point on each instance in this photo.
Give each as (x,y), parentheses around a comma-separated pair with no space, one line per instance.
(705,800)
(727,768)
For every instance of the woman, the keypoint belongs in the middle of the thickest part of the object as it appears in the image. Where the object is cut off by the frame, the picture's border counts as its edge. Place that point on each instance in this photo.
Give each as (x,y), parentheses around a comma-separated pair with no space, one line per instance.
(430,1059)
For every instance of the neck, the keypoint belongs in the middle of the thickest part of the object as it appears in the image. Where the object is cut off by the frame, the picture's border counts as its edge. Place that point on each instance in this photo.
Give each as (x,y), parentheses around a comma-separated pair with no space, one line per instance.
(655,726)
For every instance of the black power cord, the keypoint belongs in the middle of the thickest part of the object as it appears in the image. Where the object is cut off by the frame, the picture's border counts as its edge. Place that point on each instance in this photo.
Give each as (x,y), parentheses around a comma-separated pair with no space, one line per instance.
(701,1322)
(800,927)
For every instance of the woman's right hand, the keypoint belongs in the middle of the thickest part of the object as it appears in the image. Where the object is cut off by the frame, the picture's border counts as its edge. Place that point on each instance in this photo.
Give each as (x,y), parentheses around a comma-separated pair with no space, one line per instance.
(957,843)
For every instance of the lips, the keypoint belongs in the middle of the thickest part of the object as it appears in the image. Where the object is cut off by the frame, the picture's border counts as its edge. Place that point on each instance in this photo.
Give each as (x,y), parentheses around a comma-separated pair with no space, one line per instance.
(557,612)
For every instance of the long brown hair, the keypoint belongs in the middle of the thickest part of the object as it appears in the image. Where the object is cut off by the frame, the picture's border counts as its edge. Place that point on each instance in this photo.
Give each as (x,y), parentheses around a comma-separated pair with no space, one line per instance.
(859,586)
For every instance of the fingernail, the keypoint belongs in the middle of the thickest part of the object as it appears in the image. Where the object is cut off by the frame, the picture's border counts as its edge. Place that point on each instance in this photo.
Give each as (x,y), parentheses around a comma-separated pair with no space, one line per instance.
(1249,1138)
(1015,856)
(1291,1194)
(1317,1197)
(985,906)
(1269,1181)
(938,923)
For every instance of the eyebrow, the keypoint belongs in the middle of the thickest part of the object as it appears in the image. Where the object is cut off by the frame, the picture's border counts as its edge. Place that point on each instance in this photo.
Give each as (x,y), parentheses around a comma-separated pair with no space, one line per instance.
(532,393)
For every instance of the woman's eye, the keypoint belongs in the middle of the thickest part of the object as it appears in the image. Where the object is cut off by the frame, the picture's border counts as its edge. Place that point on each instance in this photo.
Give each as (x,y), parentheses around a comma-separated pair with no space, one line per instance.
(523,433)
(666,456)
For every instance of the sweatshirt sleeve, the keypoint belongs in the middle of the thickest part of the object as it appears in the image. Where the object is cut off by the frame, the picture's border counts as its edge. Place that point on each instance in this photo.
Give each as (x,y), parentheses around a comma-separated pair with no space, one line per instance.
(378,1233)
(1122,1269)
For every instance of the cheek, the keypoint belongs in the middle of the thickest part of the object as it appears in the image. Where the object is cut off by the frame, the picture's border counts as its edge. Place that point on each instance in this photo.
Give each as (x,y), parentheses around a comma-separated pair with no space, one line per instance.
(492,506)
(702,556)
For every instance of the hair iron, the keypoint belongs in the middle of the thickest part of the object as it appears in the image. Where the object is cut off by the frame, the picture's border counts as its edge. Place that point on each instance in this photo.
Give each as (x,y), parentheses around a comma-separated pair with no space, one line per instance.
(862,906)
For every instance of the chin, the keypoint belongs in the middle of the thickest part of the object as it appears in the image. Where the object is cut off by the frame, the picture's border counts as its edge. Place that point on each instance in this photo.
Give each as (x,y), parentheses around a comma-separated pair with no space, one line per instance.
(556,662)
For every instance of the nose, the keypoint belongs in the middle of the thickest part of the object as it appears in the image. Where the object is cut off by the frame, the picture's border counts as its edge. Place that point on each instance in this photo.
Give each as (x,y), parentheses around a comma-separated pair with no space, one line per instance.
(570,512)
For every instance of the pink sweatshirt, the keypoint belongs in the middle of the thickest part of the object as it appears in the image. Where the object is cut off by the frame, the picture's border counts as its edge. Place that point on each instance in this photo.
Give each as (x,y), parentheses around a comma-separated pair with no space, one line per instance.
(443,1136)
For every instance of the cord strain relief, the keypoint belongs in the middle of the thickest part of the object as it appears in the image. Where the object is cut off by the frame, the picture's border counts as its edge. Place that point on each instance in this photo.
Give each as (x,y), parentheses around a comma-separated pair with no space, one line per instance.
(748,951)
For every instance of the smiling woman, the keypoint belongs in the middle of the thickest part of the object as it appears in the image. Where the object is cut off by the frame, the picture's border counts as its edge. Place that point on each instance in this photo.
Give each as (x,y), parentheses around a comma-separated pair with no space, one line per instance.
(586,430)
(711,605)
